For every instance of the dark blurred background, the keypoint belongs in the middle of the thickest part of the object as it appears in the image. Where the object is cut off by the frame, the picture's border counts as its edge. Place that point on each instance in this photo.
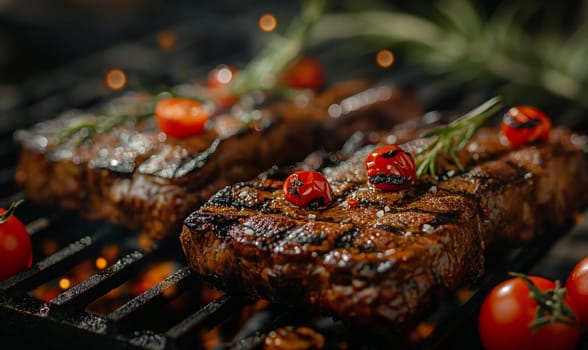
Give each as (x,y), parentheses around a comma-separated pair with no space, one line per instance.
(55,55)
(53,48)
(37,35)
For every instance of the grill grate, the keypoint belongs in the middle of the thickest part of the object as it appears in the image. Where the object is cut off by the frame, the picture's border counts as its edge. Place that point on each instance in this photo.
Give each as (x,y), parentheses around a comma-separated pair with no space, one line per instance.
(66,311)
(171,314)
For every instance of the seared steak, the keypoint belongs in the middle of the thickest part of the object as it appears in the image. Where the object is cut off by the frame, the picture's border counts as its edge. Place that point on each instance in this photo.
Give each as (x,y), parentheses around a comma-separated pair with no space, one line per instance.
(136,176)
(383,259)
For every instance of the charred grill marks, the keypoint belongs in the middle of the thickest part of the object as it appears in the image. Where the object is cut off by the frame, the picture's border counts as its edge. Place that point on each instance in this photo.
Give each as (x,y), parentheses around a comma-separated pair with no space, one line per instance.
(383,262)
(135,176)
(346,239)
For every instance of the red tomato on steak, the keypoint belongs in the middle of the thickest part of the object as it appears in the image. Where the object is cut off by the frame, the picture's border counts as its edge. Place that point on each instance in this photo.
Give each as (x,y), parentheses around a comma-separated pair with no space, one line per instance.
(308,189)
(306,73)
(219,82)
(221,76)
(524,124)
(390,168)
(181,117)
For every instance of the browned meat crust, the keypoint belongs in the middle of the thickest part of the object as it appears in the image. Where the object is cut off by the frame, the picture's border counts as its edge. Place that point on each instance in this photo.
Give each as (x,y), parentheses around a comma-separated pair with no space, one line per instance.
(384,263)
(135,176)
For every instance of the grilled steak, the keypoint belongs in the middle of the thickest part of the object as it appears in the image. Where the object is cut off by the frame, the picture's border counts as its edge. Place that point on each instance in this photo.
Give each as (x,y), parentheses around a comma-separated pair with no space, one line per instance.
(384,259)
(135,176)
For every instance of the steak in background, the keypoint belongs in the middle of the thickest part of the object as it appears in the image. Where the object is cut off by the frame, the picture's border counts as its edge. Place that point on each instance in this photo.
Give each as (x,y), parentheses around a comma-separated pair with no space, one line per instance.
(135,176)
(387,260)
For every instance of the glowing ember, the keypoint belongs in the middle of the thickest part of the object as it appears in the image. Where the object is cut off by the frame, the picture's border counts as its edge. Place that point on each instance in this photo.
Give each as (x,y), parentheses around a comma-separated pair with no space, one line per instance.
(116,79)
(145,242)
(154,274)
(170,291)
(385,58)
(64,283)
(578,218)
(111,252)
(49,246)
(101,263)
(166,41)
(422,331)
(268,22)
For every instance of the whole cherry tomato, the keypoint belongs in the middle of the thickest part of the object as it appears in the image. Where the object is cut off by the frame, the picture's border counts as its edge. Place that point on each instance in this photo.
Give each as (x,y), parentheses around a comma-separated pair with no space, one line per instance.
(16,252)
(504,321)
(221,76)
(525,124)
(306,73)
(219,82)
(390,168)
(308,189)
(181,117)
(577,286)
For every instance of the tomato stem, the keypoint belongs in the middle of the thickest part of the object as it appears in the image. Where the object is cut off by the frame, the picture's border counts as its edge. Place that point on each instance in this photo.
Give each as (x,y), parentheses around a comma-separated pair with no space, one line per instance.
(4,217)
(551,307)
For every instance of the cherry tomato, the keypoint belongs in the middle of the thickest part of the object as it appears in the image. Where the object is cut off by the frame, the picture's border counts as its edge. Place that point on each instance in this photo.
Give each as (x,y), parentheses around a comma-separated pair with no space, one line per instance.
(525,124)
(221,76)
(577,286)
(308,189)
(219,81)
(306,73)
(16,252)
(181,117)
(390,168)
(507,311)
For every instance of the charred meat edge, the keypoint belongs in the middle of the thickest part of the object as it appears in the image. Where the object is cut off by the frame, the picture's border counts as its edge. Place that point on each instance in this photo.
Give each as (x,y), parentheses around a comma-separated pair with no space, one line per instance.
(387,262)
(132,177)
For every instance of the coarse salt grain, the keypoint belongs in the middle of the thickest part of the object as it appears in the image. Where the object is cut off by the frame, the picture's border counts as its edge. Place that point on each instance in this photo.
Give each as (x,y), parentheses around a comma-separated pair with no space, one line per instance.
(427,228)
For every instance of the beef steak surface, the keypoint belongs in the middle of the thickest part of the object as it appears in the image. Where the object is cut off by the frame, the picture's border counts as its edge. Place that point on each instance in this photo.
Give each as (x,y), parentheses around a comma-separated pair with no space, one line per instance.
(384,259)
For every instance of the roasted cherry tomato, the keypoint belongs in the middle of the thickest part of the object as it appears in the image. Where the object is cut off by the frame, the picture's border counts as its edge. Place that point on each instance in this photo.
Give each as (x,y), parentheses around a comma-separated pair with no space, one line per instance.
(390,168)
(16,252)
(525,124)
(221,76)
(219,81)
(308,189)
(577,286)
(306,73)
(506,316)
(181,117)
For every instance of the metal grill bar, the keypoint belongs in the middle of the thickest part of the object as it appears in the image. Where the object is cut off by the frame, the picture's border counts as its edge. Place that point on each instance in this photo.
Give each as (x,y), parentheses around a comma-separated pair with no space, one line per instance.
(144,305)
(183,334)
(48,268)
(77,297)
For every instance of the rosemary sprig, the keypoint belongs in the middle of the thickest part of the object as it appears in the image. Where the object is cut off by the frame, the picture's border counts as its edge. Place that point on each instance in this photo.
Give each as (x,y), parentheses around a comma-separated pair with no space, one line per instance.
(451,138)
(262,71)
(260,74)
(86,127)
(463,44)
